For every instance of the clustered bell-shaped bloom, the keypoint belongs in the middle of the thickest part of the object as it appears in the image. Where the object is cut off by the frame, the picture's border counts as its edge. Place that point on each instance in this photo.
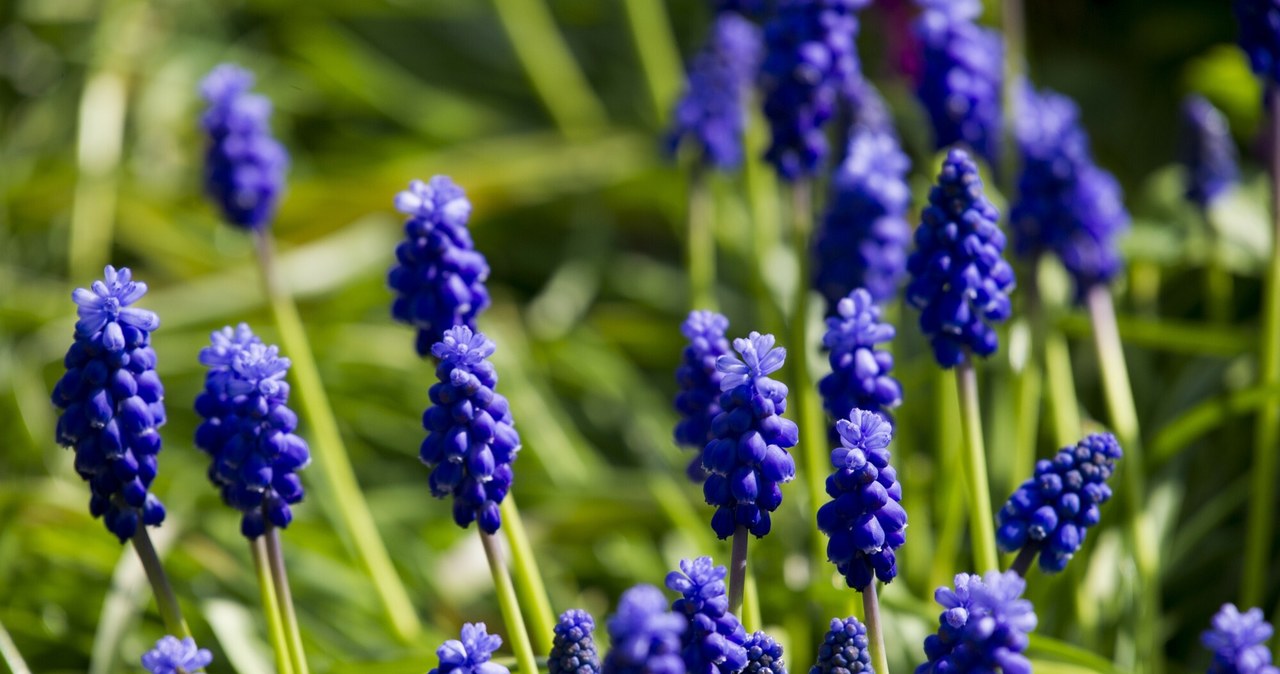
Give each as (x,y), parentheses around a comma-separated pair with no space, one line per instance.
(984,627)
(1239,642)
(1066,205)
(698,401)
(715,641)
(1260,36)
(860,374)
(844,649)
(244,164)
(172,655)
(248,429)
(1206,151)
(713,111)
(748,459)
(471,654)
(439,276)
(1055,508)
(764,655)
(645,635)
(959,280)
(112,402)
(963,73)
(573,649)
(471,438)
(865,518)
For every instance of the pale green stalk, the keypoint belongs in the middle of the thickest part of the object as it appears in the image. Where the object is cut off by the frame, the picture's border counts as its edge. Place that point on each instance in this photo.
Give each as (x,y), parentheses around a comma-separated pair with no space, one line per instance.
(702,241)
(875,630)
(1063,406)
(528,579)
(982,523)
(271,606)
(751,619)
(951,511)
(284,597)
(517,635)
(9,654)
(659,58)
(166,600)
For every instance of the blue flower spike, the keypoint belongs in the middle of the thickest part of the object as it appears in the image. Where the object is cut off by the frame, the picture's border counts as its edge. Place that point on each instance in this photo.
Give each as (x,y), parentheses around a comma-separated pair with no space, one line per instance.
(764,655)
(715,641)
(1260,37)
(712,114)
(698,401)
(646,637)
(471,653)
(1207,152)
(984,626)
(963,74)
(860,373)
(1239,642)
(244,164)
(845,649)
(172,655)
(573,648)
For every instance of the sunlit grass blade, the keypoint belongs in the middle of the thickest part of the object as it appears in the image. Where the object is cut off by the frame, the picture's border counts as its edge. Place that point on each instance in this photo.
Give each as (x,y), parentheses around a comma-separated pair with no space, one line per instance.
(659,58)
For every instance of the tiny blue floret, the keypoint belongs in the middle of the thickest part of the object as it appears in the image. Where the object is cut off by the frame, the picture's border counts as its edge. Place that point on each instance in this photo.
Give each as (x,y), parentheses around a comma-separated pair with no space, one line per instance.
(984,626)
(1239,642)
(471,653)
(172,655)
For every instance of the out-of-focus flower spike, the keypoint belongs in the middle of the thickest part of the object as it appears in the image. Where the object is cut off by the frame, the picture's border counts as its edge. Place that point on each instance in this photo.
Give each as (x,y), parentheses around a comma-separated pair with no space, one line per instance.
(984,626)
(244,164)
(1239,642)
(962,78)
(698,401)
(860,373)
(645,635)
(172,655)
(1206,151)
(470,653)
(712,114)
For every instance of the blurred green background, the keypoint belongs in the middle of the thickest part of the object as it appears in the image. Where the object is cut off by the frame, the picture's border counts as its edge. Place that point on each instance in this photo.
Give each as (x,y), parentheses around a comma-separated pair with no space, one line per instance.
(549,113)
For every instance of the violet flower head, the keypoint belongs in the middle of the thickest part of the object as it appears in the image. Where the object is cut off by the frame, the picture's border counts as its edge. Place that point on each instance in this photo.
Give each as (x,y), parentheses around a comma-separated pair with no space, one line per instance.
(1260,37)
(112,403)
(963,74)
(471,653)
(860,373)
(748,459)
(1206,151)
(844,649)
(984,626)
(715,641)
(712,114)
(645,635)
(439,276)
(1239,642)
(172,655)
(698,401)
(244,164)
(959,279)
(471,437)
(764,655)
(573,648)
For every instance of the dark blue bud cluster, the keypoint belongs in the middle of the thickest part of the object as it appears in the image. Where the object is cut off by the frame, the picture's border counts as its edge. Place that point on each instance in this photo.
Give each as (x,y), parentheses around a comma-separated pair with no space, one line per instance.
(963,74)
(471,654)
(1239,642)
(645,635)
(984,627)
(573,648)
(698,401)
(1206,151)
(244,164)
(715,641)
(713,111)
(844,649)
(1260,37)
(764,655)
(860,374)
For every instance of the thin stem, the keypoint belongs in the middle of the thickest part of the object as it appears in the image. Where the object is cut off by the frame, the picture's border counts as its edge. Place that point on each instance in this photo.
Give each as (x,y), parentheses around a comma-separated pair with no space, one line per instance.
(271,606)
(751,619)
(528,579)
(875,630)
(975,465)
(949,507)
(166,600)
(659,57)
(738,570)
(1063,405)
(9,654)
(517,635)
(702,241)
(284,596)
(1022,563)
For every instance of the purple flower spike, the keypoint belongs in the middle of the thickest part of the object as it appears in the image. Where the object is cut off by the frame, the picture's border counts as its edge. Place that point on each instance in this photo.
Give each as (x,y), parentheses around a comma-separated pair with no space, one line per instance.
(715,642)
(244,164)
(646,636)
(984,626)
(699,399)
(712,114)
(471,654)
(1239,642)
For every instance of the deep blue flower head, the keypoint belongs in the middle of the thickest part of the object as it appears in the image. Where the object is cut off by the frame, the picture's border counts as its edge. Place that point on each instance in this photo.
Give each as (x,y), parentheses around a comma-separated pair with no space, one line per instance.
(573,649)
(471,653)
(860,374)
(172,655)
(1260,36)
(963,73)
(112,402)
(645,635)
(1055,508)
(698,401)
(864,518)
(439,276)
(1239,642)
(248,429)
(1206,151)
(712,113)
(984,626)
(862,240)
(715,641)
(244,165)
(471,438)
(959,280)
(748,459)
(844,649)
(764,655)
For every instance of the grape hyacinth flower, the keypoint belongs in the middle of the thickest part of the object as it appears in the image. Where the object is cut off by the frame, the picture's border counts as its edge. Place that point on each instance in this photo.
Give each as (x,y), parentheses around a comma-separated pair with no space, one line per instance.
(748,459)
(112,402)
(764,655)
(172,655)
(471,438)
(573,650)
(715,641)
(959,280)
(645,635)
(1053,510)
(248,429)
(1239,642)
(844,649)
(1207,152)
(244,164)
(471,654)
(1260,36)
(439,276)
(859,376)
(712,114)
(984,626)
(698,401)
(962,77)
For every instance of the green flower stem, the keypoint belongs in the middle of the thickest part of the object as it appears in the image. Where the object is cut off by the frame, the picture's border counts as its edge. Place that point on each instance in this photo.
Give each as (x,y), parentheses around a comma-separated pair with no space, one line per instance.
(9,654)
(284,597)
(271,606)
(702,241)
(1063,406)
(982,523)
(348,507)
(875,630)
(166,600)
(949,509)
(659,57)
(751,619)
(738,569)
(1218,283)
(517,635)
(528,579)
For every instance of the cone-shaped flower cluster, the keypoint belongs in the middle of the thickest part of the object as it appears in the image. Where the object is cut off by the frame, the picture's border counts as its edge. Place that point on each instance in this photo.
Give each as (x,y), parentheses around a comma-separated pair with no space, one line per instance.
(1066,205)
(439,276)
(963,73)
(712,113)
(1206,151)
(859,376)
(865,518)
(984,627)
(715,642)
(844,649)
(244,164)
(172,655)
(471,440)
(471,654)
(1055,508)
(1239,642)
(645,635)
(959,280)
(764,655)
(573,648)
(698,401)
(1260,36)
(748,459)
(112,402)
(248,429)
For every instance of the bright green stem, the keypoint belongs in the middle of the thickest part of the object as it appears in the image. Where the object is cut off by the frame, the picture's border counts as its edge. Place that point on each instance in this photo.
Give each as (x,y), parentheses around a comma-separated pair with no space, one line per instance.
(284,597)
(659,58)
(875,630)
(1063,404)
(751,619)
(9,654)
(517,635)
(981,522)
(528,579)
(1028,383)
(271,606)
(950,509)
(702,241)
(738,570)
(348,506)
(166,600)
